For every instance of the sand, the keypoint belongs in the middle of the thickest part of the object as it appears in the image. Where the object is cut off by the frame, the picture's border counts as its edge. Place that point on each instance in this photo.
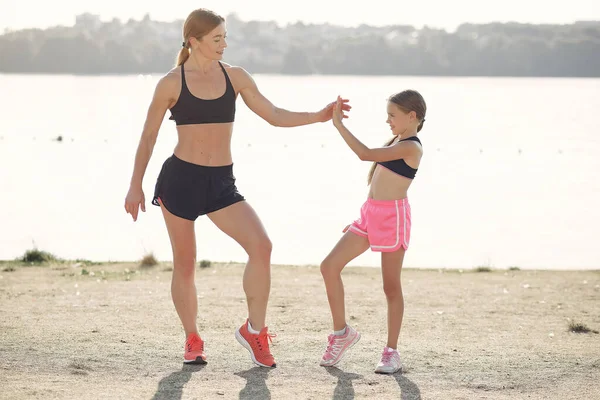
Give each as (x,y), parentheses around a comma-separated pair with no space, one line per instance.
(110,331)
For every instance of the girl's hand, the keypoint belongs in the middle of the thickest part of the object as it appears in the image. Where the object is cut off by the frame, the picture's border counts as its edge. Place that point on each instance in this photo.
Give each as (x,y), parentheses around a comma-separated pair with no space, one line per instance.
(327,112)
(338,112)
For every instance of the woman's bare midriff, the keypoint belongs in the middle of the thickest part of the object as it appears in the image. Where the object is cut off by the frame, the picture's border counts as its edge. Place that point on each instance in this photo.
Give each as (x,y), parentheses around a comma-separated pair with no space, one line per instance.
(388,185)
(205,144)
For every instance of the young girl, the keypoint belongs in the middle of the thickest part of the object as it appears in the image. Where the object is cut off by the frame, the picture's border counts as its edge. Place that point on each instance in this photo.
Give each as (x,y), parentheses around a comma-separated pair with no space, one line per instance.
(384,224)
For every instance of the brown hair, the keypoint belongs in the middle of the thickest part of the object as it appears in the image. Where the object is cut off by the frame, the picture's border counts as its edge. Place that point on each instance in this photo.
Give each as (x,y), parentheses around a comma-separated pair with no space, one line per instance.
(407,101)
(198,23)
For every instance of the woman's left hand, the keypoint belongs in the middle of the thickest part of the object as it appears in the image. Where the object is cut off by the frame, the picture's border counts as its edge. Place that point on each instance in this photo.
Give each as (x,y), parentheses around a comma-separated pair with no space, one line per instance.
(335,111)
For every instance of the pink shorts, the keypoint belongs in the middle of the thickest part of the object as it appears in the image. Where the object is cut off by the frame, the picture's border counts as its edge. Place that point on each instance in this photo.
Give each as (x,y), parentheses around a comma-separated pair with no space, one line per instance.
(386,223)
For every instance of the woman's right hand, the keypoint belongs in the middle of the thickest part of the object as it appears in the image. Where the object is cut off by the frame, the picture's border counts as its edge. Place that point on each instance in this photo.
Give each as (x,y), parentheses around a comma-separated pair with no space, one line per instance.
(134,200)
(165,96)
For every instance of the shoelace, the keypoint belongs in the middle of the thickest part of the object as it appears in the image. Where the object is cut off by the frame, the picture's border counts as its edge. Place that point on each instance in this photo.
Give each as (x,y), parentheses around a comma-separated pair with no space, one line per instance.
(262,339)
(195,342)
(386,357)
(332,346)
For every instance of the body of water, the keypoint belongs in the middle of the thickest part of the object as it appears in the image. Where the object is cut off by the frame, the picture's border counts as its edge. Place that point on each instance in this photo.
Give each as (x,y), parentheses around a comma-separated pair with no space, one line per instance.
(510,174)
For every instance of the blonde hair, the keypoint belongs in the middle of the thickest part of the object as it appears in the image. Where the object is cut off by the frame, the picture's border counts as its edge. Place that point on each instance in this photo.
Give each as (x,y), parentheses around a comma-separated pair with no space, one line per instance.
(198,23)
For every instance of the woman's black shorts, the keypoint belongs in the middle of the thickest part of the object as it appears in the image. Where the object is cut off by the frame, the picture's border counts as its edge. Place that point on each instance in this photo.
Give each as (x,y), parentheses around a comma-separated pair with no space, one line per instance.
(189,190)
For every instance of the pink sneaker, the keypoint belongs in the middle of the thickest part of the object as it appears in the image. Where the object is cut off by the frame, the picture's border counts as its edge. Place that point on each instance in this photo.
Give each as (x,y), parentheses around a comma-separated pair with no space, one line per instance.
(390,362)
(194,350)
(338,345)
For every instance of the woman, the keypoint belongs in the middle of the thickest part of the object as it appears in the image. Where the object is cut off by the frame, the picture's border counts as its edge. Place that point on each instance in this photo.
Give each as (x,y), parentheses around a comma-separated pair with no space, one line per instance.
(198,179)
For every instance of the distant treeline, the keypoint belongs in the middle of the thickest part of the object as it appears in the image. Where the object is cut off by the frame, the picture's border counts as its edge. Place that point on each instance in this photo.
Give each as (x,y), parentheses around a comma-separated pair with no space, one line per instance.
(93,46)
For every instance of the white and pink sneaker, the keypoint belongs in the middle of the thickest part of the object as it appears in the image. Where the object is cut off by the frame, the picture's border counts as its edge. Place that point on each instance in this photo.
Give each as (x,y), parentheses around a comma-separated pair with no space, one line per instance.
(337,346)
(390,362)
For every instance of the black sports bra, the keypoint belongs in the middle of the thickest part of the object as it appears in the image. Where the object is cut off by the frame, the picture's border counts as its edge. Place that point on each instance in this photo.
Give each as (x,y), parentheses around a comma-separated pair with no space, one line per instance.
(400,166)
(190,109)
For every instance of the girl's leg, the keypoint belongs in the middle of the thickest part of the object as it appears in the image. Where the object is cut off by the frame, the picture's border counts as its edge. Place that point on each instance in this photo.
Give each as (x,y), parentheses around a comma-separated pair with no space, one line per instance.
(348,248)
(391,267)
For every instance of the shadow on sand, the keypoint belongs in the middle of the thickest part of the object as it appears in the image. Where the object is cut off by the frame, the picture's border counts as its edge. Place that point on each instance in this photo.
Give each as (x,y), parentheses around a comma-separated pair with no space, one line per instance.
(171,387)
(256,384)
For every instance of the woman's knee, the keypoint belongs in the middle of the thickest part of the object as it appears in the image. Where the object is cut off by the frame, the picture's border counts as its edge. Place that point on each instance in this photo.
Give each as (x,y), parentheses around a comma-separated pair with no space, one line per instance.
(260,248)
(184,265)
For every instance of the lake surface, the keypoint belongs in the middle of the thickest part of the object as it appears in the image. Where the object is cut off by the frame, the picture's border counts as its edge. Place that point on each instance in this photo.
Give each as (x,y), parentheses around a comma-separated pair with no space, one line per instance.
(510,175)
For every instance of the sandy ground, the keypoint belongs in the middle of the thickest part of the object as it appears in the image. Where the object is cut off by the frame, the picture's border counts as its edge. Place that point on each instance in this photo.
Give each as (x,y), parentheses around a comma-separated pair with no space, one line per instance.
(114,334)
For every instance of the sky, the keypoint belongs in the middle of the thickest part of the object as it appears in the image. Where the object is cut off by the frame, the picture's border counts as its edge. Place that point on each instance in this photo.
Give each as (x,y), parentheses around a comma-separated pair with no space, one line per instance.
(19,14)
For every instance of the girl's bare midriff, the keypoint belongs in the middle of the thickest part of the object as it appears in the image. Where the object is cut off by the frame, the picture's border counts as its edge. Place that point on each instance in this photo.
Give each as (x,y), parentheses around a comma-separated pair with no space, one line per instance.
(388,185)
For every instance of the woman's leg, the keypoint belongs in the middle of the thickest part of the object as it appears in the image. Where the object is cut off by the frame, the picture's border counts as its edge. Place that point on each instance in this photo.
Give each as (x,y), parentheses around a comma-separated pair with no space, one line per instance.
(391,267)
(240,222)
(183,288)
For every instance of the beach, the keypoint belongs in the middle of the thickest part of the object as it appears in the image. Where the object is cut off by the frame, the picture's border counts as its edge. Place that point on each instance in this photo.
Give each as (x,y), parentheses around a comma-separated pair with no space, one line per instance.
(74,330)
